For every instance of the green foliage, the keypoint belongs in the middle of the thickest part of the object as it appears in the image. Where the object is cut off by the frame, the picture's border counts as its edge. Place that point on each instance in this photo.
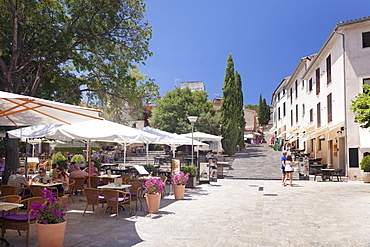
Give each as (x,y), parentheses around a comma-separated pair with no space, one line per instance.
(57,157)
(78,158)
(361,107)
(263,111)
(74,150)
(171,112)
(365,163)
(151,169)
(251,107)
(62,163)
(192,170)
(232,126)
(65,50)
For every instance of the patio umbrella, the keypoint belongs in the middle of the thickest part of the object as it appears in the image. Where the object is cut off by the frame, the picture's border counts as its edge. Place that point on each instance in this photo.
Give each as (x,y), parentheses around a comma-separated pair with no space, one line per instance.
(171,139)
(21,110)
(200,136)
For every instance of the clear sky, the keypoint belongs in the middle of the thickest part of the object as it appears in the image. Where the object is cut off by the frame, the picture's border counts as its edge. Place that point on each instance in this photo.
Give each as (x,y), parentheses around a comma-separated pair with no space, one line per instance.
(193,38)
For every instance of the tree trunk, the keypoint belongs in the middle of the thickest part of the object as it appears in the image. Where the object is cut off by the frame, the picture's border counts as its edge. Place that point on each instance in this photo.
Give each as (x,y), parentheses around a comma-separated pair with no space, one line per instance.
(11,157)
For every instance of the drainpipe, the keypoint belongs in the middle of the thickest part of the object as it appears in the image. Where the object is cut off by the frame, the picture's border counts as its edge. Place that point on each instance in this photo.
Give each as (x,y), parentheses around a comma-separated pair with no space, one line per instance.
(345,104)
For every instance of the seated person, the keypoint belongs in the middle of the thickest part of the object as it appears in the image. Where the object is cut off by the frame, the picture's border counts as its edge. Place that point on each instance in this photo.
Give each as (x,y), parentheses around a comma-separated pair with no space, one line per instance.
(213,167)
(77,173)
(18,179)
(62,178)
(93,169)
(71,167)
(42,176)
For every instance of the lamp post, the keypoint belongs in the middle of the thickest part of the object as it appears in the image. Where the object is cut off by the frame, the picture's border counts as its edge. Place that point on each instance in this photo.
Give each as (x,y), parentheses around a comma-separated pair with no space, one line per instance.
(192,120)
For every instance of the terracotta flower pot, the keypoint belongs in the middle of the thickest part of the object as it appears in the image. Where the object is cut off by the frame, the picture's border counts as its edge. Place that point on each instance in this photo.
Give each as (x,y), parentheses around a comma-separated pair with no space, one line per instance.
(51,234)
(179,191)
(152,203)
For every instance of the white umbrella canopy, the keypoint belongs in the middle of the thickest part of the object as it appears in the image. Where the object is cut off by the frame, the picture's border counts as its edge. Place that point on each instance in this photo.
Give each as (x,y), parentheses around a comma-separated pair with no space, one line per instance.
(21,110)
(200,136)
(171,139)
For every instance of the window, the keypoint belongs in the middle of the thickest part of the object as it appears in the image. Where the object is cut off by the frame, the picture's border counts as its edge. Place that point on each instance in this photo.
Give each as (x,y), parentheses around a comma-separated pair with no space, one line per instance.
(311,115)
(318,115)
(296,89)
(366,81)
(317,81)
(296,113)
(328,69)
(365,39)
(310,85)
(291,95)
(284,109)
(302,84)
(279,117)
(329,106)
(303,110)
(291,117)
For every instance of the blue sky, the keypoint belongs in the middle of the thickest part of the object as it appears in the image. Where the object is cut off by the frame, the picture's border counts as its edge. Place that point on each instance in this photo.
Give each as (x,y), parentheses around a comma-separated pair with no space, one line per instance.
(193,38)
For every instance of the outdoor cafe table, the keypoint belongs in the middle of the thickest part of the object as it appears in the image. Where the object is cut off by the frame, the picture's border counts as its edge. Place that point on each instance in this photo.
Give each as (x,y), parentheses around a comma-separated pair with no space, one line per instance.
(115,187)
(52,184)
(109,176)
(326,173)
(6,206)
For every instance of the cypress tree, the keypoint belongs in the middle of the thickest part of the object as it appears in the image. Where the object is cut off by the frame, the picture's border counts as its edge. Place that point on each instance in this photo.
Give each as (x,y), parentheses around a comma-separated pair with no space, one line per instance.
(240,110)
(229,123)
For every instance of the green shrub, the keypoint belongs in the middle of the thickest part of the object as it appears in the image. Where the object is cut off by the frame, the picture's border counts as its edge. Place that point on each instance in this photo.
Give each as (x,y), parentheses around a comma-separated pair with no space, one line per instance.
(78,158)
(63,164)
(365,164)
(57,157)
(151,169)
(74,150)
(192,170)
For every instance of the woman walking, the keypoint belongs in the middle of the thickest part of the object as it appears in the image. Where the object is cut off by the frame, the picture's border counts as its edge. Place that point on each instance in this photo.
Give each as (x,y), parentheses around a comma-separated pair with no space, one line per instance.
(289,170)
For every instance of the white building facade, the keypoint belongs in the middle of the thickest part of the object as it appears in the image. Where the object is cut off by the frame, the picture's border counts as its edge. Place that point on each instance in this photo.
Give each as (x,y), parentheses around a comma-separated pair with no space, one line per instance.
(315,110)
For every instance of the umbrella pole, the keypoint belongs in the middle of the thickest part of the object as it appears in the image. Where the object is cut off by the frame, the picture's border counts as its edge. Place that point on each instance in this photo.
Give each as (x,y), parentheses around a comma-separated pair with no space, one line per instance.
(124,152)
(88,158)
(147,153)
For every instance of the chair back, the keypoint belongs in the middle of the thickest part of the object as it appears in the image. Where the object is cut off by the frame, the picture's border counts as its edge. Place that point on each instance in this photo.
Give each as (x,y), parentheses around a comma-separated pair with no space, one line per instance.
(163,178)
(94,181)
(133,180)
(106,180)
(11,198)
(125,177)
(36,190)
(92,196)
(111,196)
(135,187)
(9,190)
(79,183)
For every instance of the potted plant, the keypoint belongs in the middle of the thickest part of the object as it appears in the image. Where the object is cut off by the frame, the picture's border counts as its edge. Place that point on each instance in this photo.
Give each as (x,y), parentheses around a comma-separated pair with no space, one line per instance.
(153,188)
(50,222)
(151,169)
(192,170)
(365,167)
(179,181)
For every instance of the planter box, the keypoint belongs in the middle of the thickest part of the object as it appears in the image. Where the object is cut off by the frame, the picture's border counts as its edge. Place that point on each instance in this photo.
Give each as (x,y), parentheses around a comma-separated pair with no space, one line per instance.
(192,182)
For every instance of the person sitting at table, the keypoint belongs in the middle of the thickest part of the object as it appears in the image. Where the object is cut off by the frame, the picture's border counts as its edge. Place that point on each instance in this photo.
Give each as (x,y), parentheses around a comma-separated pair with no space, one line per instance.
(71,167)
(93,170)
(42,176)
(53,172)
(62,178)
(19,180)
(78,173)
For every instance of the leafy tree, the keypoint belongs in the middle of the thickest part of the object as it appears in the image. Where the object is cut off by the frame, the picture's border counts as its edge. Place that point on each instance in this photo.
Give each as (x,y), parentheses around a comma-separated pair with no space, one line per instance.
(171,112)
(60,49)
(251,107)
(229,110)
(263,111)
(361,107)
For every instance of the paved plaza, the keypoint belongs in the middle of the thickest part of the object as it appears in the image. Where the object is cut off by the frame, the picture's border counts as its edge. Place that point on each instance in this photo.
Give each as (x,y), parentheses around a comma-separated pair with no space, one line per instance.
(233,212)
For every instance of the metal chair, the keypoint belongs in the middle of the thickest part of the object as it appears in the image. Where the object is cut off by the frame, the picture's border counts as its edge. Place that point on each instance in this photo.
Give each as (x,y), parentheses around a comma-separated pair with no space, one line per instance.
(337,173)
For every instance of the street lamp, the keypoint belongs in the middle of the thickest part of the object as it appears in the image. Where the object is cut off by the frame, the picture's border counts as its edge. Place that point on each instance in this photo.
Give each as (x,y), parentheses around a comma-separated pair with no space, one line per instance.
(192,120)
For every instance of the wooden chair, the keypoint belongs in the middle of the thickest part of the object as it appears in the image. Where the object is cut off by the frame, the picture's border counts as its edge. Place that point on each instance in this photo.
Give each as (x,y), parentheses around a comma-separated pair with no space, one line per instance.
(107,180)
(116,199)
(135,192)
(8,190)
(125,177)
(93,198)
(36,190)
(79,184)
(164,179)
(21,222)
(71,189)
(94,181)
